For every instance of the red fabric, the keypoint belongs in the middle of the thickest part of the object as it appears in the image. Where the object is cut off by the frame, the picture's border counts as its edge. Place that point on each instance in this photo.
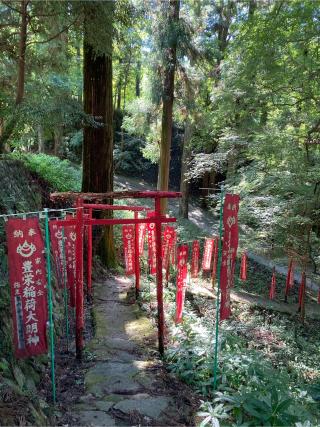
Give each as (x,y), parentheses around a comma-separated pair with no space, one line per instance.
(128,246)
(174,249)
(207,254)
(302,289)
(70,245)
(272,292)
(152,246)
(215,259)
(57,247)
(168,237)
(142,235)
(195,259)
(182,258)
(244,266)
(289,279)
(229,251)
(28,280)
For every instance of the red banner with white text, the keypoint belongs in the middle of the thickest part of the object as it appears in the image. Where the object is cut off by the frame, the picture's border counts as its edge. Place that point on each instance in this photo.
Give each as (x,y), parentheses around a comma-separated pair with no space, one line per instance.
(195,259)
(27,277)
(182,259)
(70,237)
(152,248)
(168,238)
(229,251)
(142,236)
(128,248)
(57,246)
(207,254)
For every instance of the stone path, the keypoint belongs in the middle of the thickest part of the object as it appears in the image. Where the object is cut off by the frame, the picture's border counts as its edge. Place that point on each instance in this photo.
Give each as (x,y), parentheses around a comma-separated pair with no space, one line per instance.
(128,385)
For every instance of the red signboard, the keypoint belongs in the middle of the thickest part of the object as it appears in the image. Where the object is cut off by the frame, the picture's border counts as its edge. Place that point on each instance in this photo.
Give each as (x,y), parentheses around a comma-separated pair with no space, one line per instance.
(174,248)
(152,247)
(195,259)
(142,235)
(27,277)
(128,246)
(57,246)
(168,238)
(207,254)
(243,266)
(182,257)
(229,251)
(215,259)
(71,263)
(272,292)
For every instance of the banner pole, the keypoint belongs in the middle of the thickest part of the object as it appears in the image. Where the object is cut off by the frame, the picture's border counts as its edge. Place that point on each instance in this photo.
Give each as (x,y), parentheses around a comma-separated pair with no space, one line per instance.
(50,305)
(215,366)
(65,290)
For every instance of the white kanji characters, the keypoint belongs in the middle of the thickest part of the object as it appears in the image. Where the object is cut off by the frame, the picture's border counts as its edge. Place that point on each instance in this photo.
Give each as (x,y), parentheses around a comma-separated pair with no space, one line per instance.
(28,279)
(40,293)
(26,250)
(73,236)
(18,233)
(33,340)
(16,285)
(32,328)
(38,261)
(27,267)
(39,282)
(29,292)
(31,317)
(30,304)
(38,272)
(31,232)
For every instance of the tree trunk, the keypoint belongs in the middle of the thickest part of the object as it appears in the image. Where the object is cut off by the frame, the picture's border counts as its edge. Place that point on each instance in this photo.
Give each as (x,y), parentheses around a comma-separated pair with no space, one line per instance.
(184,184)
(9,127)
(58,138)
(40,140)
(98,141)
(167,102)
(79,94)
(138,79)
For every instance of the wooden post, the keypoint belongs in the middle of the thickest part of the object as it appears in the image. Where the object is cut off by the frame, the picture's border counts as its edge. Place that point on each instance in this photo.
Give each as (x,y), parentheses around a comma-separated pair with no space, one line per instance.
(89,260)
(79,280)
(159,276)
(136,255)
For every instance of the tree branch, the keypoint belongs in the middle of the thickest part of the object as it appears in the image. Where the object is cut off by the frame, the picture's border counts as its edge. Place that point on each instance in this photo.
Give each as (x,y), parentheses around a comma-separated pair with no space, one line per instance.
(54,36)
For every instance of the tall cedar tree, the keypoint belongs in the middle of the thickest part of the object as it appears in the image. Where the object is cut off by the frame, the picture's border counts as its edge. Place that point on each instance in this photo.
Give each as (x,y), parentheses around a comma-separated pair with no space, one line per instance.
(170,55)
(97,95)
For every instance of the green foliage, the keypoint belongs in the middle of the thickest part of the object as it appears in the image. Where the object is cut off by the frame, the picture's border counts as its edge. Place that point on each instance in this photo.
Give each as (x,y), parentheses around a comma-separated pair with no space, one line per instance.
(61,175)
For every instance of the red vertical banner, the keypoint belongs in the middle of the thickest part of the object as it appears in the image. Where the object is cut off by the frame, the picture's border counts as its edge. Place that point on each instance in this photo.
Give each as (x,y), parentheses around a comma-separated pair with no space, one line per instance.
(244,266)
(289,279)
(195,259)
(182,259)
(272,292)
(27,277)
(152,250)
(168,237)
(142,236)
(207,254)
(57,246)
(128,246)
(215,259)
(174,248)
(71,264)
(302,289)
(229,251)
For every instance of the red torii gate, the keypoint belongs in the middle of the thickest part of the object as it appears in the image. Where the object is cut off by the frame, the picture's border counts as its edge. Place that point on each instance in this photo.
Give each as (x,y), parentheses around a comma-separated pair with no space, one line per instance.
(80,222)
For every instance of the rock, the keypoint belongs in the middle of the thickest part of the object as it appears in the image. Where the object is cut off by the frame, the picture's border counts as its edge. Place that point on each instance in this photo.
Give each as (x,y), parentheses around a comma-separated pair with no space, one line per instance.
(151,407)
(95,418)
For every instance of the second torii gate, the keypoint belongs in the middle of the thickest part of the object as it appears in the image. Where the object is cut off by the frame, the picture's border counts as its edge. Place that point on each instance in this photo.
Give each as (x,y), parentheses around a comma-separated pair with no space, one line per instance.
(80,222)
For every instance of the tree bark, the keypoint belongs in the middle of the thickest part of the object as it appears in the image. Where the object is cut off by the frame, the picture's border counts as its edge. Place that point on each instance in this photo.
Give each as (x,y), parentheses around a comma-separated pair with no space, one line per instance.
(98,140)
(184,184)
(138,79)
(40,140)
(167,101)
(58,137)
(9,127)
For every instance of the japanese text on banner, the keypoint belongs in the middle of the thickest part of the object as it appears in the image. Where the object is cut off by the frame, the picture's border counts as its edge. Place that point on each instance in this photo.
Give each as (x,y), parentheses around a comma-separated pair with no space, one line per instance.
(27,277)
(229,251)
